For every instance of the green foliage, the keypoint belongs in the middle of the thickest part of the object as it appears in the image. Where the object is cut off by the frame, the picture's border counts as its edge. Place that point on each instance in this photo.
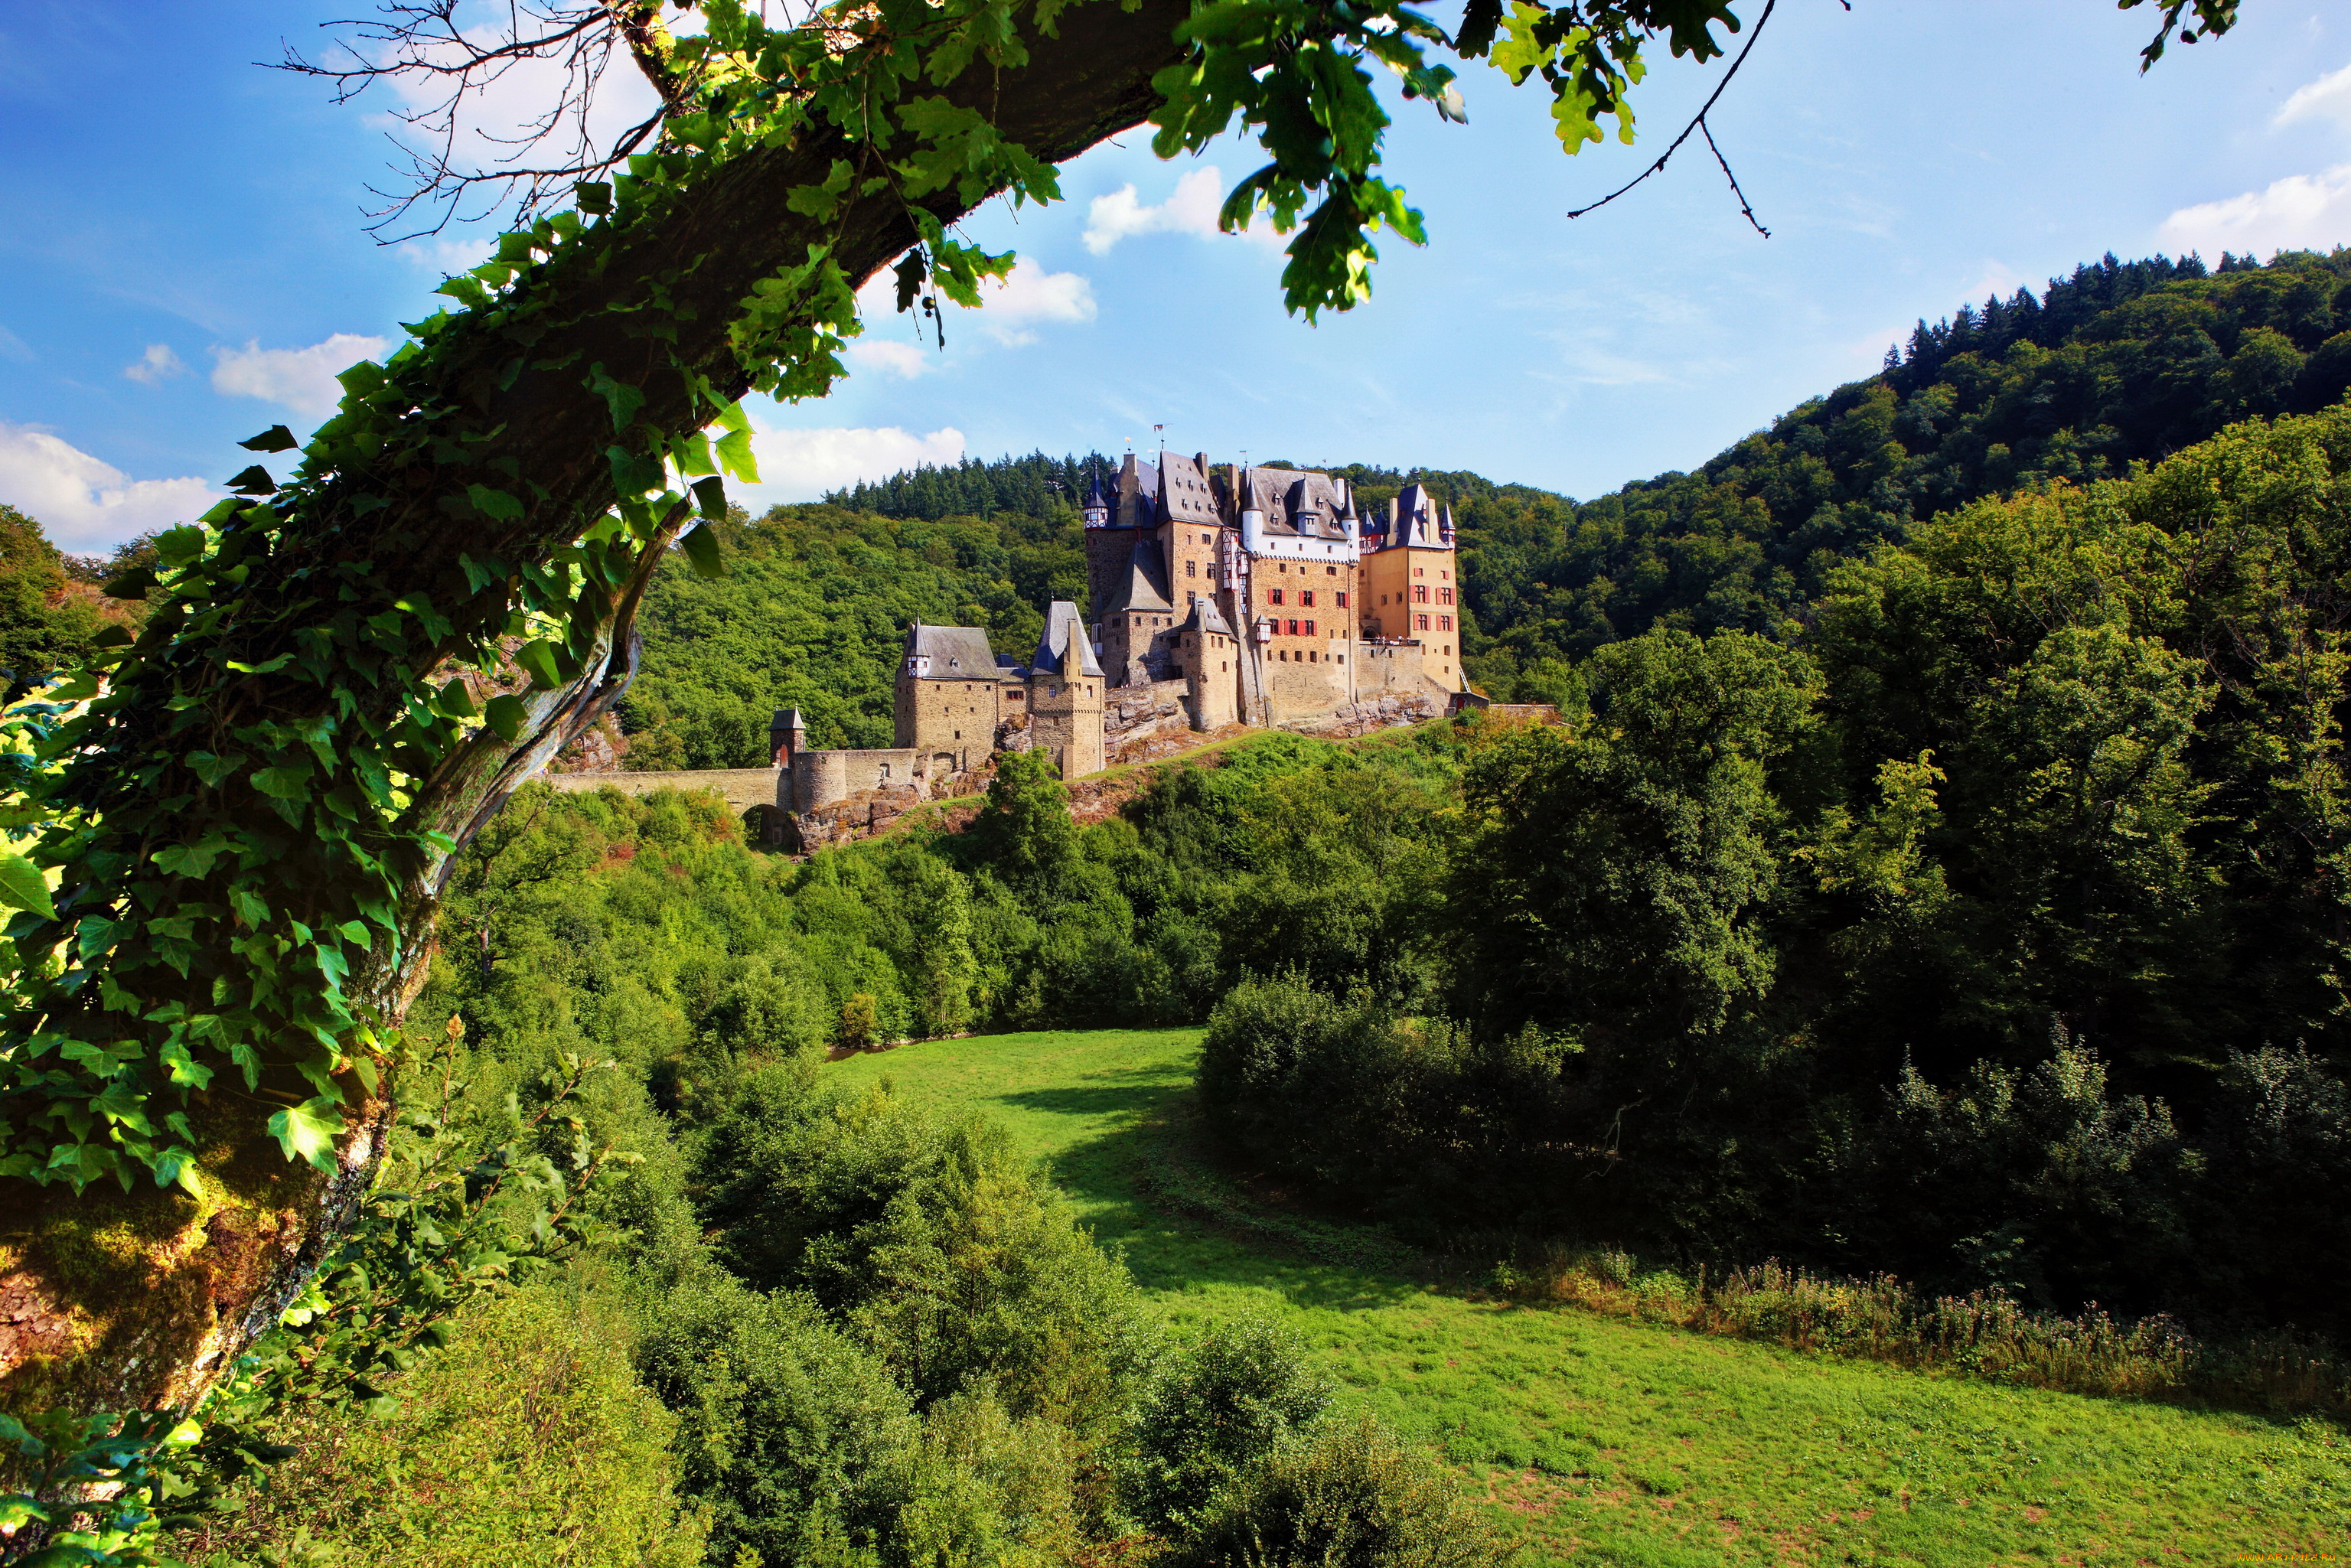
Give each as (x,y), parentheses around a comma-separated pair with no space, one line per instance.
(50,616)
(787,1430)
(1025,830)
(49,1515)
(812,615)
(1571,1431)
(937,1246)
(528,1438)
(2118,363)
(1240,1395)
(1353,1496)
(1970,941)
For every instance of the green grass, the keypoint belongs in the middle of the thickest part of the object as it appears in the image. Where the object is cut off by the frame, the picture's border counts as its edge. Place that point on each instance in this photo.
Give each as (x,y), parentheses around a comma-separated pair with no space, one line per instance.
(1601,1441)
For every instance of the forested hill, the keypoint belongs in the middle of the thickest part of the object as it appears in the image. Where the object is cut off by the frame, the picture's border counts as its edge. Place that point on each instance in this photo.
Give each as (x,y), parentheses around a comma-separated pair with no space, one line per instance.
(2121,362)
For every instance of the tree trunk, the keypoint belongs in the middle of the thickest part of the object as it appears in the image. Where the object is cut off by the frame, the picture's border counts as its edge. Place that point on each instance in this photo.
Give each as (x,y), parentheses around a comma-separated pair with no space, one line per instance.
(112,1299)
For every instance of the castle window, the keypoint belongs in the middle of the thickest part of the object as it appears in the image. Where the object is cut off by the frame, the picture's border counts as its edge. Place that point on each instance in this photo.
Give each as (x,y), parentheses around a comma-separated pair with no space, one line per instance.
(1191,569)
(1415,571)
(1282,653)
(1293,628)
(1273,596)
(1424,621)
(1445,596)
(1342,599)
(1331,570)
(1309,656)
(958,736)
(1342,658)
(1419,595)
(1307,598)
(1445,623)
(1310,628)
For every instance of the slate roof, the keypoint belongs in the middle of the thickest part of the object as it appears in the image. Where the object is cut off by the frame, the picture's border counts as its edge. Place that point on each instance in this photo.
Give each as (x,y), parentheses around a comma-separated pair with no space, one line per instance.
(1205,617)
(1288,495)
(1142,586)
(957,653)
(1186,493)
(1064,651)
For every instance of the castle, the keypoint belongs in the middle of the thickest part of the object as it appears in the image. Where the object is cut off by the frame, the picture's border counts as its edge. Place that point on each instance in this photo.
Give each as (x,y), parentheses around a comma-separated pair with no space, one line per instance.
(1234,595)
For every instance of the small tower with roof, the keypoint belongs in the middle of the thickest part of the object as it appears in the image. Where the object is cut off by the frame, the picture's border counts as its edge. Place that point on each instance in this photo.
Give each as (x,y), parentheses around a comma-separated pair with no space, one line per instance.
(1065,695)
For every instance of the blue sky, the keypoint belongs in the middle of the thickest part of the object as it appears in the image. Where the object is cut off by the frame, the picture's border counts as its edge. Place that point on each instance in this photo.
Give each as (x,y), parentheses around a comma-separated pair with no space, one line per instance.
(184,261)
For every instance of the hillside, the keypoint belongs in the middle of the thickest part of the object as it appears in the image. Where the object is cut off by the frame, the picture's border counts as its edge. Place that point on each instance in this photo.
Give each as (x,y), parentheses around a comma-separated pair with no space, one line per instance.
(2118,363)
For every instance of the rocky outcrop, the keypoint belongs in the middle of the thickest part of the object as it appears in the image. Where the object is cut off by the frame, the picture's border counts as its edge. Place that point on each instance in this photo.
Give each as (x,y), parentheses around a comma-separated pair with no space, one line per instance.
(859,816)
(1133,717)
(1351,719)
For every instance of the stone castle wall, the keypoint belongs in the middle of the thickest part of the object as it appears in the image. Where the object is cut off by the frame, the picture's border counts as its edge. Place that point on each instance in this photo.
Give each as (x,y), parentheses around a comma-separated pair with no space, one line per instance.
(742,788)
(820,778)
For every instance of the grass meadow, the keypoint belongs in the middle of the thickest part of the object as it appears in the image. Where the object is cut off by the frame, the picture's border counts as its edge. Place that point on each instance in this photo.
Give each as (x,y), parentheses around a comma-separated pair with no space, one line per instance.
(1599,1440)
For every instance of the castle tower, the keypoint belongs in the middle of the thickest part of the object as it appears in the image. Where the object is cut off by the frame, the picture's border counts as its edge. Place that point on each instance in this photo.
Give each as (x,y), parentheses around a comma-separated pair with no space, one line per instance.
(948,698)
(1065,695)
(787,737)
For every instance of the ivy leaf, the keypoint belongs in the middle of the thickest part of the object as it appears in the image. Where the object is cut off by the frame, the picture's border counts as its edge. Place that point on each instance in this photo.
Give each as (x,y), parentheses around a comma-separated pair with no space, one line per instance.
(537,657)
(211,769)
(701,548)
(595,197)
(136,583)
(733,451)
(455,700)
(175,548)
(712,495)
(506,716)
(22,886)
(622,399)
(307,1131)
(254,481)
(277,438)
(493,503)
(283,783)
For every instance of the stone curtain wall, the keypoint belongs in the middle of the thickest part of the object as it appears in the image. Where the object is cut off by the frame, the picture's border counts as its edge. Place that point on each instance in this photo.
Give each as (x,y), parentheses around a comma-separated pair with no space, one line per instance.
(741,788)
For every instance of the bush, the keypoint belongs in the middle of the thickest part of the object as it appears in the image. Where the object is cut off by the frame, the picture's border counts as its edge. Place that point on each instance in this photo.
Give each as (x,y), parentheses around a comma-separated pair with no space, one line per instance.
(529,1440)
(787,1430)
(1354,1497)
(1238,1396)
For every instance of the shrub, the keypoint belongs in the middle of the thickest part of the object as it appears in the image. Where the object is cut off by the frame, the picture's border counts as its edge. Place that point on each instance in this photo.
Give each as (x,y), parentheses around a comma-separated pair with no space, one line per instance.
(787,1430)
(529,1440)
(1354,1498)
(1241,1395)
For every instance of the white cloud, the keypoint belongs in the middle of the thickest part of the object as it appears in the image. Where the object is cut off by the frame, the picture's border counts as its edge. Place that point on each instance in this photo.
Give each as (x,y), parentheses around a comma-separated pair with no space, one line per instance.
(2299,212)
(2328,98)
(1032,294)
(801,464)
(85,505)
(1191,210)
(1007,311)
(891,357)
(300,379)
(154,365)
(448,255)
